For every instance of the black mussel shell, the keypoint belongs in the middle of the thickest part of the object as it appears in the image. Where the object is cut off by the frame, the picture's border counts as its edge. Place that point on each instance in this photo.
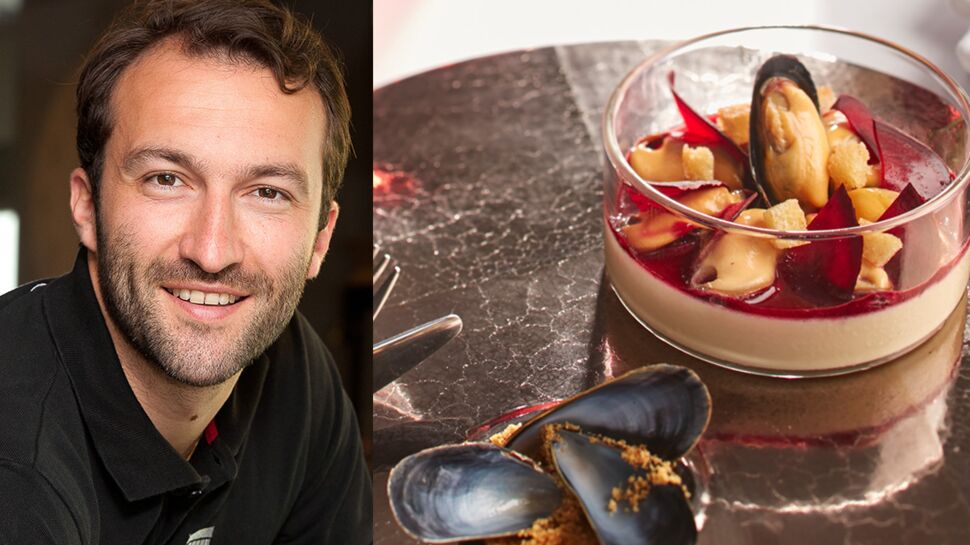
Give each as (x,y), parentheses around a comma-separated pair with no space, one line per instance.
(779,66)
(790,68)
(664,407)
(591,470)
(469,492)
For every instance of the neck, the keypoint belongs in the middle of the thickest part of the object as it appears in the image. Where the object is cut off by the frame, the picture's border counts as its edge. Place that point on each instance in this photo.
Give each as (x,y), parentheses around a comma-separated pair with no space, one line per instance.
(179,411)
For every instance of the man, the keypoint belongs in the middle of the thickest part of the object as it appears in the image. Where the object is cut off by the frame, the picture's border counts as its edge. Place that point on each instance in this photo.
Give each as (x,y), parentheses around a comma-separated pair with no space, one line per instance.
(165,391)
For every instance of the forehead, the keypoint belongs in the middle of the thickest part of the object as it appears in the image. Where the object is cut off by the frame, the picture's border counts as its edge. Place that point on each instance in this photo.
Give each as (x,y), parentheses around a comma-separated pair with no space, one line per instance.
(223,110)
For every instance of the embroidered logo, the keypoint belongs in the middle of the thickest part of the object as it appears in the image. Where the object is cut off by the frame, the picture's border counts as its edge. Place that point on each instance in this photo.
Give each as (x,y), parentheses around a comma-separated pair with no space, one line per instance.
(201,537)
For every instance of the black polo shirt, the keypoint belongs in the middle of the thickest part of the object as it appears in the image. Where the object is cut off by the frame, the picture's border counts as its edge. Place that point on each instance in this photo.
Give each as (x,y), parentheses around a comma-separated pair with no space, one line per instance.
(81,463)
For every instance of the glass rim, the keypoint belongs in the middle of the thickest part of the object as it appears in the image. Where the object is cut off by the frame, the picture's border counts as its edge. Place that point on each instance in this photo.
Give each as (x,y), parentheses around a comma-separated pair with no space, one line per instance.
(617,157)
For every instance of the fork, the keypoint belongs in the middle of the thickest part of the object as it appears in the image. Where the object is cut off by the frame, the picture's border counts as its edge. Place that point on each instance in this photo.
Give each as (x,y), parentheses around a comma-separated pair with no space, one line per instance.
(383,283)
(396,355)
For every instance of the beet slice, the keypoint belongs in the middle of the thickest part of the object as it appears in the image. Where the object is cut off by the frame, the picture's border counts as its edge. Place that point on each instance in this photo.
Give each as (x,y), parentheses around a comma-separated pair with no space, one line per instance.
(906,160)
(825,271)
(861,121)
(699,130)
(907,200)
(921,243)
(838,213)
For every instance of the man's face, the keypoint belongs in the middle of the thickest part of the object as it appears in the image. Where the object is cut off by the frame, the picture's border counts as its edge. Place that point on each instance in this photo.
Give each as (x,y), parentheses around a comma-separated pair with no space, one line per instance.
(210,197)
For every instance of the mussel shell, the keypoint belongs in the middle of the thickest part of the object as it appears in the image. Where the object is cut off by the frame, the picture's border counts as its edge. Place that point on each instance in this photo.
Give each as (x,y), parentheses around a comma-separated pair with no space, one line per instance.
(468,492)
(664,407)
(790,68)
(591,470)
(779,66)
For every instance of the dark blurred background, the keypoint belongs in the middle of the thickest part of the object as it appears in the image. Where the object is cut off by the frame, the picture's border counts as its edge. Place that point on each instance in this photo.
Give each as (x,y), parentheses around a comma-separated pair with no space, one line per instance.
(42,44)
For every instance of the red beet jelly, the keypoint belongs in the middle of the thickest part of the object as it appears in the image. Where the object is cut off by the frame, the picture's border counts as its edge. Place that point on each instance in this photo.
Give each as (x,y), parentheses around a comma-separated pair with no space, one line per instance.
(674,265)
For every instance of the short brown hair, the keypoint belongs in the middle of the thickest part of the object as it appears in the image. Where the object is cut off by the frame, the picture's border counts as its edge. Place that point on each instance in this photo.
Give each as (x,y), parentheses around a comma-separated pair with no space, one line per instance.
(247,30)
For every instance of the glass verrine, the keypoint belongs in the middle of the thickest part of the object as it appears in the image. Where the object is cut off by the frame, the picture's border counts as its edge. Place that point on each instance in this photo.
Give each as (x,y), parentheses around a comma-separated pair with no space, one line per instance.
(820,297)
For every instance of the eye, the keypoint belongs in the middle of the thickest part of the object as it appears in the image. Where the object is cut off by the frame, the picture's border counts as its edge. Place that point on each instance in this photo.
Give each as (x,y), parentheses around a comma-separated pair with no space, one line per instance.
(270,194)
(165,179)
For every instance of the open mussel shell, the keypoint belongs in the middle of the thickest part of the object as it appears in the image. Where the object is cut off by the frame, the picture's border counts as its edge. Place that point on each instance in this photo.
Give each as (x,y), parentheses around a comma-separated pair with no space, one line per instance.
(789,68)
(664,407)
(592,469)
(469,492)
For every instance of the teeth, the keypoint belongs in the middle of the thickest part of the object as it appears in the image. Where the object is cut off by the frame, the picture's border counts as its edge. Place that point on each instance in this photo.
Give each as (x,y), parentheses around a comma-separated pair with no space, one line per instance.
(203,298)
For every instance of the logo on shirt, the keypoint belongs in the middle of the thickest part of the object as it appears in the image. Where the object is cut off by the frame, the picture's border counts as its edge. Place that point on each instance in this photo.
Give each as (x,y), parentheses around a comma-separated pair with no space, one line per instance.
(201,537)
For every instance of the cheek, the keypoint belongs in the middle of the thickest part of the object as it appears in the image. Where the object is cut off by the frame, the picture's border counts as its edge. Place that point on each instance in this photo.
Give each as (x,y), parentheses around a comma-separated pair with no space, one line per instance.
(157,230)
(151,230)
(275,244)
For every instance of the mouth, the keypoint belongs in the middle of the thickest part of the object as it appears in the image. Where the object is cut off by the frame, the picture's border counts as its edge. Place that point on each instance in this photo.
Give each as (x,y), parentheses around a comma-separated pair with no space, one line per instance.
(214,299)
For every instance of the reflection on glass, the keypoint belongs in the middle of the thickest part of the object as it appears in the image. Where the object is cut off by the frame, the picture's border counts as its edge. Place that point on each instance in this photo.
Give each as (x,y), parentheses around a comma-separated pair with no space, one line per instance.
(835,444)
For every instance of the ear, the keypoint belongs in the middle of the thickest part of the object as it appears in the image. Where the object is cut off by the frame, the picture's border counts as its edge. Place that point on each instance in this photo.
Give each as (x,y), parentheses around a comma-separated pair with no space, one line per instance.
(322,243)
(82,209)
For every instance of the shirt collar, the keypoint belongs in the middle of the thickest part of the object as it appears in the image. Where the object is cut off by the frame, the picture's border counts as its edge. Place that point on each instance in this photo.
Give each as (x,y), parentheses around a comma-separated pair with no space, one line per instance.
(139,459)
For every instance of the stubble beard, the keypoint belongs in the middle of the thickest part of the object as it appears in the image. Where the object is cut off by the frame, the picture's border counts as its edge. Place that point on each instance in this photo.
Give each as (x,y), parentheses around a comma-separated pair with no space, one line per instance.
(190,352)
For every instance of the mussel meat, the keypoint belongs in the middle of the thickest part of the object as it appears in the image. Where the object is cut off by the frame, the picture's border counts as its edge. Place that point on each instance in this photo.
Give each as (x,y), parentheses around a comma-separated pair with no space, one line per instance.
(788,145)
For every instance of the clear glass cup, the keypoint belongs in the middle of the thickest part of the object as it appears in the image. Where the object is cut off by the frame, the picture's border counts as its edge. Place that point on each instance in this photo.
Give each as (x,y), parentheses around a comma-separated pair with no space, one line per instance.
(791,327)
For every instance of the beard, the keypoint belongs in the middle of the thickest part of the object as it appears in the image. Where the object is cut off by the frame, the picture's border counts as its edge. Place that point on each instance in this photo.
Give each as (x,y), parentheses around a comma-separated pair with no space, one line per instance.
(193,353)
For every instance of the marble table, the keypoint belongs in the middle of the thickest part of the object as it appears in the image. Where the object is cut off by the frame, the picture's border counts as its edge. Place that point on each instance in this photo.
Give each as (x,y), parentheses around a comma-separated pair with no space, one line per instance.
(488,192)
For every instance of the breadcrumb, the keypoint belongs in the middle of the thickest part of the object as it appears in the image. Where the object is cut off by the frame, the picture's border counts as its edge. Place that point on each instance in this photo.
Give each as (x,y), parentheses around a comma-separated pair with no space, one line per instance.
(872,278)
(501,438)
(735,121)
(849,165)
(786,216)
(568,524)
(698,163)
(879,248)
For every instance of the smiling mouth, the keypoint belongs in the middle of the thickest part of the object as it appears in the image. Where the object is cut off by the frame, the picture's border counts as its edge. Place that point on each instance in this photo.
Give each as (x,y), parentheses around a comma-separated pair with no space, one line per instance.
(205,298)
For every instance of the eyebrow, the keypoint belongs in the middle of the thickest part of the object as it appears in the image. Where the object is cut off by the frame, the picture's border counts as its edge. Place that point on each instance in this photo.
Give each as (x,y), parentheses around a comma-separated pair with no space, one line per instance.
(140,156)
(289,171)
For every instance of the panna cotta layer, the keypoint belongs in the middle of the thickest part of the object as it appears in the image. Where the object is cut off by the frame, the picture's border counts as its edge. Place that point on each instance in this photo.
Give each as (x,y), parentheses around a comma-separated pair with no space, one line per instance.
(777,344)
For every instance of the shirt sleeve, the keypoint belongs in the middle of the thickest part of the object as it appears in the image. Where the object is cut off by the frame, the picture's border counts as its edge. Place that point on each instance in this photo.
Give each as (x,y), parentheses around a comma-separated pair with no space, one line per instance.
(31,510)
(334,504)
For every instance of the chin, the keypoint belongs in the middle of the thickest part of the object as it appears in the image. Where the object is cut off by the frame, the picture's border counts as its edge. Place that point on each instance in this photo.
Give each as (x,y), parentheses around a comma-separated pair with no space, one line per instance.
(201,376)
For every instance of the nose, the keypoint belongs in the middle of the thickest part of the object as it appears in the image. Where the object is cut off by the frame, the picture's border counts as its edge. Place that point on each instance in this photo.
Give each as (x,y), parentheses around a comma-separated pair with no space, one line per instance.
(211,239)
